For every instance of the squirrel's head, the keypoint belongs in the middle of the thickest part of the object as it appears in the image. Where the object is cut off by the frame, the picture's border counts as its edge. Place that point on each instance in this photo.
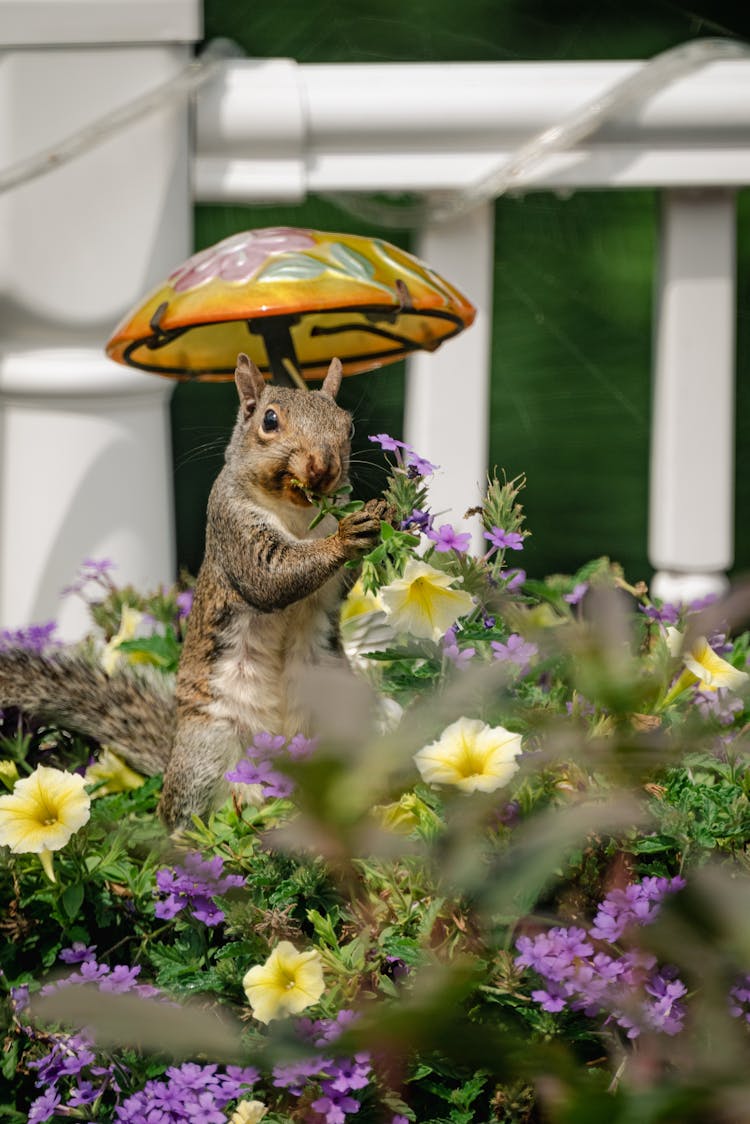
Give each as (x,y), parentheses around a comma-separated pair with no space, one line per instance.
(290,441)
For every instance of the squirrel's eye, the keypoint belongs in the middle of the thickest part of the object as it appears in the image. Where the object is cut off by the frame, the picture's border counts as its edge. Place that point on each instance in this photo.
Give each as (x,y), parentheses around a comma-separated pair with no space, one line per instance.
(270,421)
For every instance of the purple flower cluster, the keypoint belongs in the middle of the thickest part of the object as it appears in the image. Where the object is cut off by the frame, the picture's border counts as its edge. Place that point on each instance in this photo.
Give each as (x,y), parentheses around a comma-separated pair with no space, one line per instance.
(628,987)
(256,766)
(188,1093)
(193,885)
(337,1077)
(406,457)
(637,904)
(37,638)
(119,979)
(71,1069)
(720,704)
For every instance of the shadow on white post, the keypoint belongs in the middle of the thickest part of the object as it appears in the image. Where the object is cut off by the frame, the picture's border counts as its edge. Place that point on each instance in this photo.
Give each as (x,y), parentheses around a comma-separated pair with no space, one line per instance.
(691,517)
(85,457)
(447,393)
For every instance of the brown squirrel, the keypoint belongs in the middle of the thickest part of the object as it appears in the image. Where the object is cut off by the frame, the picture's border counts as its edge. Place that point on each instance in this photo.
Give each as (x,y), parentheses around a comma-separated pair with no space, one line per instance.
(265,608)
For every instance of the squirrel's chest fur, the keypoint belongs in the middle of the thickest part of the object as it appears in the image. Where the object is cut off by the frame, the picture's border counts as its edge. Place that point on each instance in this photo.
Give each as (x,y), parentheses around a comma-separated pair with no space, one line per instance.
(243,667)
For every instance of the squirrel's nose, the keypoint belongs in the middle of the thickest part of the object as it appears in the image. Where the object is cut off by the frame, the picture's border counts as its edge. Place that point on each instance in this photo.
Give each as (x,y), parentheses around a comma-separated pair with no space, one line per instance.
(322,470)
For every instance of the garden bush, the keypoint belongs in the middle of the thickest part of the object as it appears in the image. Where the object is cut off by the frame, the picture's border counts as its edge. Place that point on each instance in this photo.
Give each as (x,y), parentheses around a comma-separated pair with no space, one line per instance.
(507,881)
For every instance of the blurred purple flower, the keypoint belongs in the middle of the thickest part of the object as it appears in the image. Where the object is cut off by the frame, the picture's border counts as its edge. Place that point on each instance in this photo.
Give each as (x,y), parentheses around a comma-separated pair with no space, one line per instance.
(577,594)
(36,638)
(514,579)
(626,987)
(720,704)
(516,651)
(667,613)
(184,603)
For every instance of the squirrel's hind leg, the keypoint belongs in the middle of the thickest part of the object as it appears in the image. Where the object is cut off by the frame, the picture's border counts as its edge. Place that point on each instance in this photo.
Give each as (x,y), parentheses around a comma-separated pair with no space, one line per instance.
(194,781)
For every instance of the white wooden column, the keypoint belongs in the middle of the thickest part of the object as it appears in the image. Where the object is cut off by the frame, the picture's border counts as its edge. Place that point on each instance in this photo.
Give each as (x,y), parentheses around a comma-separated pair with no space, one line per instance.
(85,456)
(447,395)
(691,517)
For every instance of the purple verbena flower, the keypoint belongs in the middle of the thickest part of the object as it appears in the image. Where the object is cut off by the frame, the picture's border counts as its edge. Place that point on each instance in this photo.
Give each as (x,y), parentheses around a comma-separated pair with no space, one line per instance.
(720,704)
(504,540)
(513,579)
(459,657)
(577,594)
(193,885)
(667,613)
(447,538)
(43,1108)
(77,952)
(516,650)
(184,603)
(417,465)
(387,444)
(334,1109)
(418,520)
(36,638)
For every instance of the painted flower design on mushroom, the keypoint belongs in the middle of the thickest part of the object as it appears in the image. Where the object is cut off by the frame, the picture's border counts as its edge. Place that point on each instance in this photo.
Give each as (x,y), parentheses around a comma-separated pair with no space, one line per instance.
(238,257)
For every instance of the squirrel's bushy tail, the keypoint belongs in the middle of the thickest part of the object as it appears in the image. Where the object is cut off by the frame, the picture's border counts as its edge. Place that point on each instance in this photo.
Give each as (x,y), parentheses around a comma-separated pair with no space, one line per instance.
(133,713)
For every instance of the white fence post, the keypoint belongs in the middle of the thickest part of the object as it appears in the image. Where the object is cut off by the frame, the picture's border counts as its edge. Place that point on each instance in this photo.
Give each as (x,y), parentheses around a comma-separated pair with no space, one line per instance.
(85,456)
(447,393)
(691,515)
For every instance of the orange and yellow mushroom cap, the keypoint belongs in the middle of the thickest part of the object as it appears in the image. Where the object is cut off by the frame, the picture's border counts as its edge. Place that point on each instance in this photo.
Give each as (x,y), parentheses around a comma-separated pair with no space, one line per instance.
(361,299)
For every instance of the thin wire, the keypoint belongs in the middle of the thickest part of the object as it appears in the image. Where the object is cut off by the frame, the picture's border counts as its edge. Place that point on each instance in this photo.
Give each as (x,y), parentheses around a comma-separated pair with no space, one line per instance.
(176,89)
(652,77)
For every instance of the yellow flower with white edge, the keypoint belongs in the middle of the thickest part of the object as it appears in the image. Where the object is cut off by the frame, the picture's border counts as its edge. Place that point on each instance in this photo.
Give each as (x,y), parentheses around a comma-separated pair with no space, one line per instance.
(42,813)
(131,627)
(248,1112)
(111,774)
(423,602)
(471,755)
(358,602)
(704,664)
(286,984)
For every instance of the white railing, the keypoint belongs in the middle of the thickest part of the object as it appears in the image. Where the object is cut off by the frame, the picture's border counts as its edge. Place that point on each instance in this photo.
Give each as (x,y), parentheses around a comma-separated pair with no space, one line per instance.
(84,456)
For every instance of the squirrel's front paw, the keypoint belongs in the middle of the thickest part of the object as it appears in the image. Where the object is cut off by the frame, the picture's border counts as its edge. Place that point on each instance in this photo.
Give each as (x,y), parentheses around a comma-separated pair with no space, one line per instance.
(360,530)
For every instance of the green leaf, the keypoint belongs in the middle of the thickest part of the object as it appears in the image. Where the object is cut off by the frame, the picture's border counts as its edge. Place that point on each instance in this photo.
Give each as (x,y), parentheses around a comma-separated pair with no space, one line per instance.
(72,899)
(356,265)
(292,267)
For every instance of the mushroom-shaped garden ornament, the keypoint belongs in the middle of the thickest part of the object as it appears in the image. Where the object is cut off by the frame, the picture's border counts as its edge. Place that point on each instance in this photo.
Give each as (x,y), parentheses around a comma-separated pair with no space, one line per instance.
(291,299)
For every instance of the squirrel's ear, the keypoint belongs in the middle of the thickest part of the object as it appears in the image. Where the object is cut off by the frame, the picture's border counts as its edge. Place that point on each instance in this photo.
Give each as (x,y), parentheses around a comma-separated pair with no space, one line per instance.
(332,381)
(249,382)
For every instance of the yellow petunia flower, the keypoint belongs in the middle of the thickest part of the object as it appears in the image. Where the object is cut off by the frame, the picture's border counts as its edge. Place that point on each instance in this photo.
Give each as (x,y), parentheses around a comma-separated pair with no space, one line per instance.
(131,627)
(286,984)
(358,602)
(703,665)
(8,773)
(42,813)
(111,774)
(471,755)
(248,1112)
(423,602)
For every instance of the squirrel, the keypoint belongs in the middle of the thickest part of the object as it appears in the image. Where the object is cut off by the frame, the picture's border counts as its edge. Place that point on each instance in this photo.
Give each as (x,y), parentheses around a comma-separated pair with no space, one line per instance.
(265,608)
